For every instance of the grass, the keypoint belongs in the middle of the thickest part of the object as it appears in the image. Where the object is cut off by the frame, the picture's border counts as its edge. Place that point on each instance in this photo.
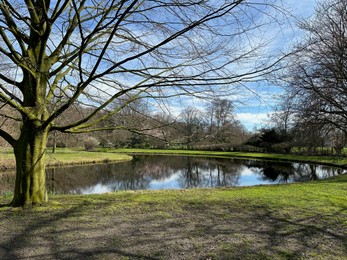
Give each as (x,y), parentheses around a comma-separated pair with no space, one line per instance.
(290,221)
(331,160)
(70,156)
(64,156)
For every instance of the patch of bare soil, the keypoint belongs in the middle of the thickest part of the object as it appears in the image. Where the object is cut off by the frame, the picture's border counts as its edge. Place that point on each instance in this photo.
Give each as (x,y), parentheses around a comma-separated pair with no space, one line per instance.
(103,230)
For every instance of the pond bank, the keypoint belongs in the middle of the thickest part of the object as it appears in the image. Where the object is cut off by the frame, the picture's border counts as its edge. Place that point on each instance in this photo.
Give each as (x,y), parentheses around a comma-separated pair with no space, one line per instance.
(67,156)
(328,160)
(290,221)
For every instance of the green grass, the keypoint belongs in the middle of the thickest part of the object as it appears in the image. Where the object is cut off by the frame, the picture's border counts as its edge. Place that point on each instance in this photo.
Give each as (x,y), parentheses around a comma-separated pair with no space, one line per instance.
(73,156)
(289,221)
(332,160)
(65,156)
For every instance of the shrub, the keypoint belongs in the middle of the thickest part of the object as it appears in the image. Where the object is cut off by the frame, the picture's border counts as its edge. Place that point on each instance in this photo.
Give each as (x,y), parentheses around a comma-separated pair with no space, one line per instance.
(284,147)
(90,143)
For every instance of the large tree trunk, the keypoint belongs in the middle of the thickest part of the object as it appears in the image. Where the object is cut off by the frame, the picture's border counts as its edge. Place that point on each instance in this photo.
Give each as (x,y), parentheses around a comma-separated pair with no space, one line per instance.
(29,150)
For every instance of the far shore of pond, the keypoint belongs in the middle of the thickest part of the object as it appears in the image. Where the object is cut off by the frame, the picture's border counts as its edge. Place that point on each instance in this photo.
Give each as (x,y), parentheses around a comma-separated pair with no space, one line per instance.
(319,159)
(76,156)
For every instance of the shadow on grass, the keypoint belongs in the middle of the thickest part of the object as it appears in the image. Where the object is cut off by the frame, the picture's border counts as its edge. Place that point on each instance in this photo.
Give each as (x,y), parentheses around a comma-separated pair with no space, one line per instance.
(99,228)
(5,205)
(31,234)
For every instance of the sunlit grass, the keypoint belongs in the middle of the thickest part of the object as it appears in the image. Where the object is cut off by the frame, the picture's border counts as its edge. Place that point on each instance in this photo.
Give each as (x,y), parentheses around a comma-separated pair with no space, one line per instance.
(311,214)
(68,156)
(65,157)
(333,160)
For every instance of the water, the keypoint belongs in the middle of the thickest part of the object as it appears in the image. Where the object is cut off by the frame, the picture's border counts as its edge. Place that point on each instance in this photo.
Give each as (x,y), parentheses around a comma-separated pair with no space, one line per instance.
(174,172)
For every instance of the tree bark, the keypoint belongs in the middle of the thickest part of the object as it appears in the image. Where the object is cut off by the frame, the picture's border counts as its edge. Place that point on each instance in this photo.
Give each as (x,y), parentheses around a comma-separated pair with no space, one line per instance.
(29,150)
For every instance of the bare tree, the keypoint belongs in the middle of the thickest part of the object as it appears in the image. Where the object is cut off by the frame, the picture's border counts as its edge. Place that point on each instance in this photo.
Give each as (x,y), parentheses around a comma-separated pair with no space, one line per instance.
(64,52)
(192,125)
(220,113)
(317,72)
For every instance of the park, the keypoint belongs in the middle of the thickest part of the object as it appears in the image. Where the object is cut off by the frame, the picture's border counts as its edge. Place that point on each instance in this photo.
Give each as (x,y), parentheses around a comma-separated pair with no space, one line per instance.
(180,129)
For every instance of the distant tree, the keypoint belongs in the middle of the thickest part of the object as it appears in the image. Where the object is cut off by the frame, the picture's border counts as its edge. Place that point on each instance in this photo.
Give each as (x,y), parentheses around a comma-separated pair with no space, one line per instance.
(192,127)
(308,137)
(220,114)
(90,143)
(338,141)
(283,116)
(77,53)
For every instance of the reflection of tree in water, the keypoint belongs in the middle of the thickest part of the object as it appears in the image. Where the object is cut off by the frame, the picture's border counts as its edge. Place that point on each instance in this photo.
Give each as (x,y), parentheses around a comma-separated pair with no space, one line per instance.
(207,172)
(188,172)
(289,171)
(306,172)
(133,175)
(272,171)
(83,179)
(138,173)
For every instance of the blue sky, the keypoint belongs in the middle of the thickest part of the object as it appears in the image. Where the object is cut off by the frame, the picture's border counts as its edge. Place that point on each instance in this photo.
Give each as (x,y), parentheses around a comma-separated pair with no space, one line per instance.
(254,112)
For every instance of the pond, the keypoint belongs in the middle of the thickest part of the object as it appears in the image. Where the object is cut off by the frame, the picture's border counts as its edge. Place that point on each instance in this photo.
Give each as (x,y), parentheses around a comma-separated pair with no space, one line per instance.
(173,172)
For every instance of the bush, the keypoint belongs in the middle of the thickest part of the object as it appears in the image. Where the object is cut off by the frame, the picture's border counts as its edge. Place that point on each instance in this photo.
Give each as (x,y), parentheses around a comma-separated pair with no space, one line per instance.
(284,147)
(90,143)
(225,147)
(61,144)
(248,148)
(104,143)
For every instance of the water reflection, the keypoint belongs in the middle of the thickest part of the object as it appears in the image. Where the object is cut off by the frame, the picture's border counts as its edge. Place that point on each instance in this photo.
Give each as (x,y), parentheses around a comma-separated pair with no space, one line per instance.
(283,172)
(173,172)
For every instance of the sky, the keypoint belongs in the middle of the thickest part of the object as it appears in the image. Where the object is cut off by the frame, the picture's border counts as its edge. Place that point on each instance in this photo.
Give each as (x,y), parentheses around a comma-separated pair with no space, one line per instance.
(254,112)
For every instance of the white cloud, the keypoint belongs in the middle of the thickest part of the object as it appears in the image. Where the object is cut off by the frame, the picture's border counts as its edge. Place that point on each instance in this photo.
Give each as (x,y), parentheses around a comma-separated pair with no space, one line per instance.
(251,120)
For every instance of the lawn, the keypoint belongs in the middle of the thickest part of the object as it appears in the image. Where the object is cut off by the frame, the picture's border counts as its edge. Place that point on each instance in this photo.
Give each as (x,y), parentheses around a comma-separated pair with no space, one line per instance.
(289,221)
(65,156)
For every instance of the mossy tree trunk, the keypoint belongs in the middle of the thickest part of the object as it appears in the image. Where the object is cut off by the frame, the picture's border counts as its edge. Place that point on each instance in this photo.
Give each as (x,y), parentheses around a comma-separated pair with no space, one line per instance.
(30,186)
(30,147)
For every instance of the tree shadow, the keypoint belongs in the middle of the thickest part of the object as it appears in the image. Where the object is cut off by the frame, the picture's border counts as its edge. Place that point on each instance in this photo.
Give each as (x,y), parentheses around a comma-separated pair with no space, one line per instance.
(84,229)
(42,235)
(5,205)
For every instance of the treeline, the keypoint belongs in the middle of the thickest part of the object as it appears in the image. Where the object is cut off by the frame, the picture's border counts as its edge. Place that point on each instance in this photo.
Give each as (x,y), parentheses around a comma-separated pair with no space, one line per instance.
(212,127)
